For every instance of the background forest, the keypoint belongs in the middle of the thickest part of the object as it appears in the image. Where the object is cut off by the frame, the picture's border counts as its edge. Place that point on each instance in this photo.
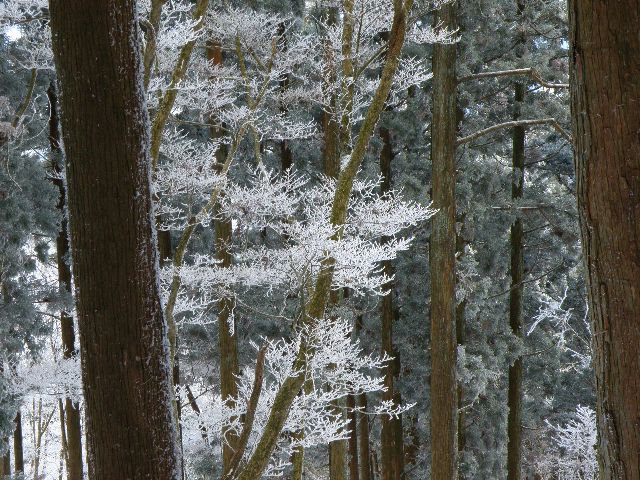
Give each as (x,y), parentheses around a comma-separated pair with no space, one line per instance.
(257,109)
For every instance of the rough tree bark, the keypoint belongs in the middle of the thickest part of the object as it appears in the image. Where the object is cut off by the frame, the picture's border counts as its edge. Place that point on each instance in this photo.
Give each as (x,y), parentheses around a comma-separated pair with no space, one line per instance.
(514,395)
(605,91)
(18,447)
(72,424)
(444,404)
(388,457)
(131,431)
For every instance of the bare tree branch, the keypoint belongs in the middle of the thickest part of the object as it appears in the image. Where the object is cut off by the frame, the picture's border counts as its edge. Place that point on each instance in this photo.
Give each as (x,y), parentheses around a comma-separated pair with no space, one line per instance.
(516,123)
(249,416)
(528,72)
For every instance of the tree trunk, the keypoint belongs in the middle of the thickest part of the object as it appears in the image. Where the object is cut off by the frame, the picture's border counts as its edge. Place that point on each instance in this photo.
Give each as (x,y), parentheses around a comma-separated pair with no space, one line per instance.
(514,395)
(18,448)
(286,156)
(227,339)
(363,440)
(398,446)
(605,88)
(444,404)
(6,461)
(461,339)
(354,473)
(72,412)
(131,431)
(391,369)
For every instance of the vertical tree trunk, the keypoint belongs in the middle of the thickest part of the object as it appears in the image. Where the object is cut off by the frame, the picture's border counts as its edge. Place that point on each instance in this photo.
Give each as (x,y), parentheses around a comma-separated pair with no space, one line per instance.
(364,459)
(227,339)
(286,156)
(363,440)
(514,395)
(398,445)
(461,339)
(354,473)
(444,404)
(131,430)
(72,417)
(605,89)
(18,448)
(392,369)
(331,167)
(6,461)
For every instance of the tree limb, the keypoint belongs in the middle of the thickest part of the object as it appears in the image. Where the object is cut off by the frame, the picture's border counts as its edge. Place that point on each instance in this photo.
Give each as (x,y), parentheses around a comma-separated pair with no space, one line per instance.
(516,123)
(528,72)
(249,417)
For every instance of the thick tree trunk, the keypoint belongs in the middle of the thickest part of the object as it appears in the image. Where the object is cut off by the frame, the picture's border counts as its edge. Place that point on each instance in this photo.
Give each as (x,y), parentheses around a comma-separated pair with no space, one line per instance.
(18,448)
(444,404)
(514,395)
(72,412)
(131,430)
(605,90)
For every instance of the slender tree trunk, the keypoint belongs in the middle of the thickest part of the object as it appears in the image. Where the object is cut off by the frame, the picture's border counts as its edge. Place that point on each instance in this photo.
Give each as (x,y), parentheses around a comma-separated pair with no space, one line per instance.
(514,395)
(354,473)
(363,426)
(391,370)
(72,417)
(227,339)
(398,446)
(461,339)
(286,156)
(364,446)
(18,447)
(6,461)
(605,89)
(131,430)
(444,404)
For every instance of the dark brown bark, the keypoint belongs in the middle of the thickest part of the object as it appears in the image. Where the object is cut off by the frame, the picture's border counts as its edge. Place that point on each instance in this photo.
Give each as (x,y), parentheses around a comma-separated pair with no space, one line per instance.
(286,156)
(354,473)
(18,448)
(389,449)
(605,88)
(461,339)
(398,446)
(227,339)
(6,462)
(72,426)
(364,462)
(364,446)
(444,404)
(131,430)
(514,394)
